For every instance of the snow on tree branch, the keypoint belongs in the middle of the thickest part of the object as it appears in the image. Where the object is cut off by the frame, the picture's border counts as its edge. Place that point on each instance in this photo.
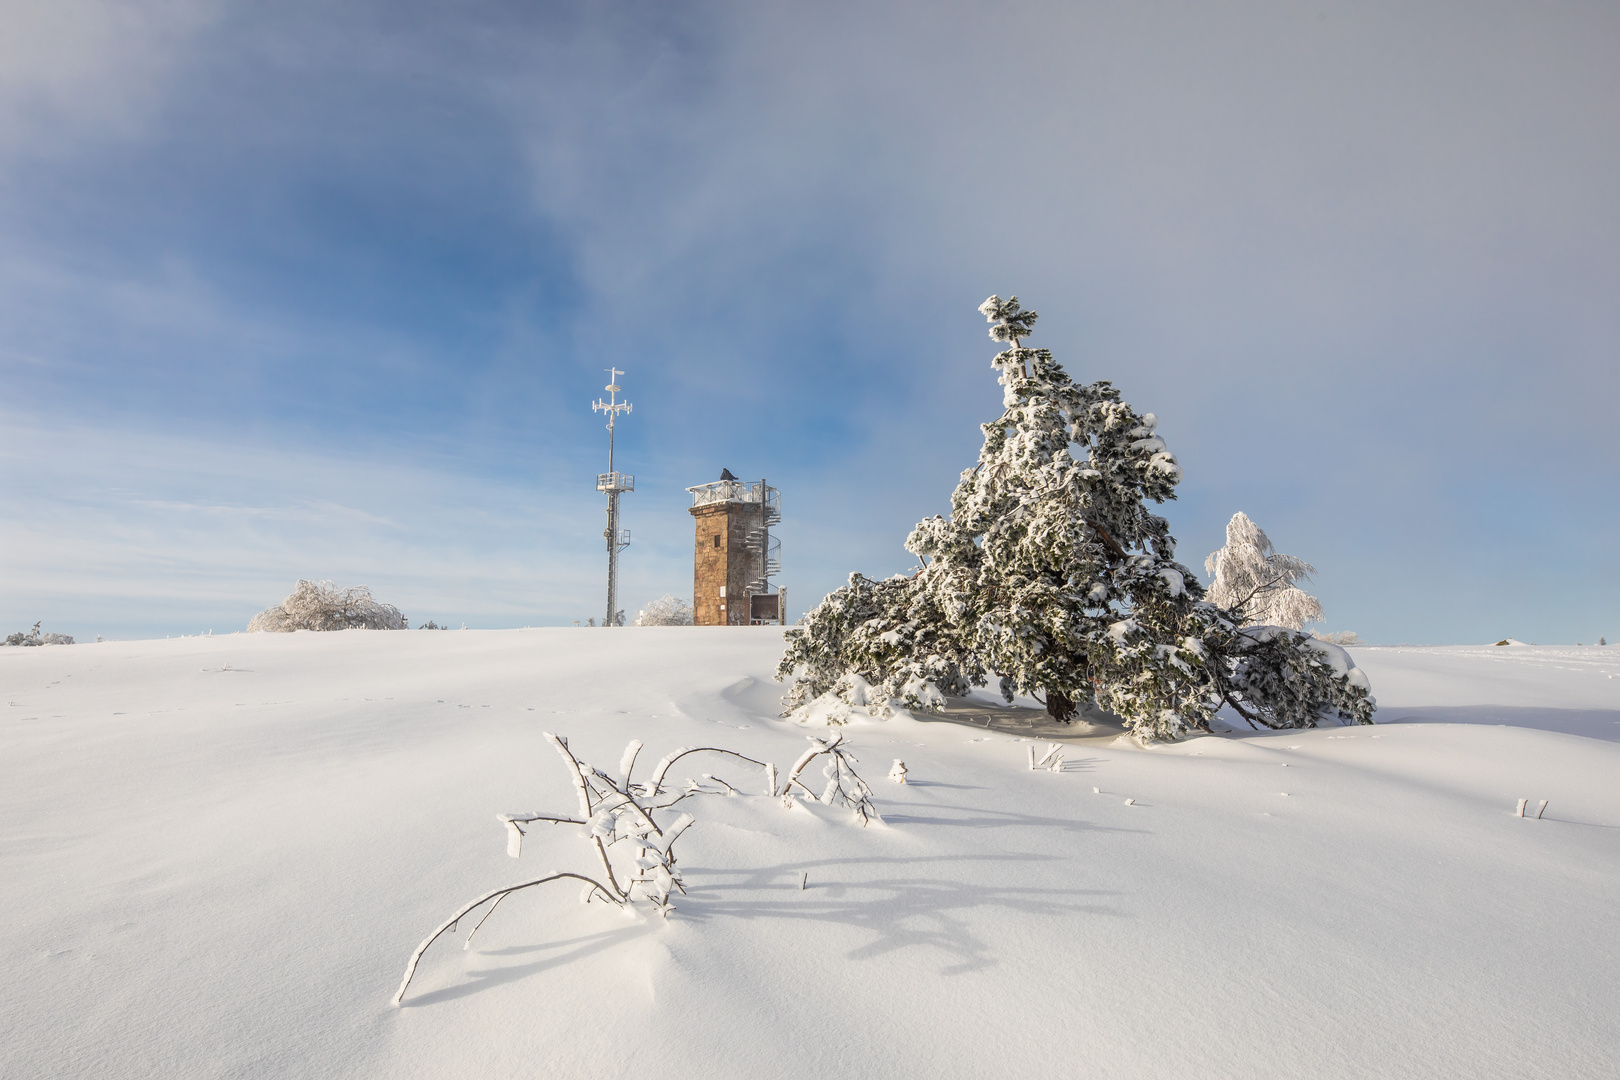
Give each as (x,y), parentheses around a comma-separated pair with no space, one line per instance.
(1008,321)
(629,835)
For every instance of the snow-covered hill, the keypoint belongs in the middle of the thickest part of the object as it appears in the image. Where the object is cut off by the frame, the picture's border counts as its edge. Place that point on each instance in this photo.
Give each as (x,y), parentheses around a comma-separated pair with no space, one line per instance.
(218,853)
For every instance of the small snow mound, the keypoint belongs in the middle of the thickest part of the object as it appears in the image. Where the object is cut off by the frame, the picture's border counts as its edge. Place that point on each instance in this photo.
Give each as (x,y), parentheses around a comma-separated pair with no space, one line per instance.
(852,700)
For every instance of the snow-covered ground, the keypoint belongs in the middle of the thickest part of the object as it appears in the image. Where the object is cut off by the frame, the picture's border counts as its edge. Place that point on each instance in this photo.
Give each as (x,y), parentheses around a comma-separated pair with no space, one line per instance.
(218,853)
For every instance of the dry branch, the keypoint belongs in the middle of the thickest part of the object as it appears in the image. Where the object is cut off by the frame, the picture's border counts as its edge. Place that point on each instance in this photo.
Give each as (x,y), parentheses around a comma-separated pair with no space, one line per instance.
(497,895)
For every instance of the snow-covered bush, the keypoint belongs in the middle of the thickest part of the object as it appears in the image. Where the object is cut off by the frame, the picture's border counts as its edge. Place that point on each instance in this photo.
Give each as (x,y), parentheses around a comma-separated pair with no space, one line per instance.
(1052,574)
(1253,581)
(1341,637)
(34,637)
(667,610)
(631,836)
(323,606)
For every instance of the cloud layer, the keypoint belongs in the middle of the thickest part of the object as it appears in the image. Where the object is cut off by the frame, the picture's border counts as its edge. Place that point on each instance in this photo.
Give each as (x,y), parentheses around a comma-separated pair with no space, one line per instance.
(366,265)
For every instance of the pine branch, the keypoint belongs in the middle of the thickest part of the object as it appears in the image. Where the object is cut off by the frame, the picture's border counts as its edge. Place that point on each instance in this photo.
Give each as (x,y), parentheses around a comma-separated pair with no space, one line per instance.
(1226,696)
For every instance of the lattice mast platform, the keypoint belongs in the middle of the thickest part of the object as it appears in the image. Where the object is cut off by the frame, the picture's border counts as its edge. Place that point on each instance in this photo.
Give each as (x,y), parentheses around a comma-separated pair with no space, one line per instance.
(614,483)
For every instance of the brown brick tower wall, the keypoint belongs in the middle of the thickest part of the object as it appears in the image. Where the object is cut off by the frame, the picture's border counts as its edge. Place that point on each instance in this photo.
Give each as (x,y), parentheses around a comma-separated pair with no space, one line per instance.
(720,559)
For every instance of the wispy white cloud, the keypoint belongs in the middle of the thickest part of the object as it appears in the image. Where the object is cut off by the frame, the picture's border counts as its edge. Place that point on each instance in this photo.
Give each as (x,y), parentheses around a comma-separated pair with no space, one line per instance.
(72,67)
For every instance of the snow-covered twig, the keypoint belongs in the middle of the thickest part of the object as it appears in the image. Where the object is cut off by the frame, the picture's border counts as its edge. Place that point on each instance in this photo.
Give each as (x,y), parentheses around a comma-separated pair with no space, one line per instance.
(844,785)
(628,761)
(582,790)
(729,789)
(653,786)
(494,894)
(1052,761)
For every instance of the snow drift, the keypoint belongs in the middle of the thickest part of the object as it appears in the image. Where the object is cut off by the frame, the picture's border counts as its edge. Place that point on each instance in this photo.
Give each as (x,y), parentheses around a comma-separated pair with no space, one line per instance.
(220,850)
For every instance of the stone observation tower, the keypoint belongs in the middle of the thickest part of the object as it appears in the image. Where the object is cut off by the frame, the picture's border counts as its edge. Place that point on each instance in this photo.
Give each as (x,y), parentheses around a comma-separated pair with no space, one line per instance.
(736,554)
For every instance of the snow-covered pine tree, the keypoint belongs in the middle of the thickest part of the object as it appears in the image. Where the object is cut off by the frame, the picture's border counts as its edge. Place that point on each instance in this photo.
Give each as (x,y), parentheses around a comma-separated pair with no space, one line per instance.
(1052,573)
(1050,548)
(1256,582)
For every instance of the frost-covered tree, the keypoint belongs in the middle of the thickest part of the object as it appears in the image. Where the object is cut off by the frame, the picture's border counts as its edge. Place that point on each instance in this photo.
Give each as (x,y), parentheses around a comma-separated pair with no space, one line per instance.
(1052,573)
(667,610)
(1256,582)
(1050,569)
(323,606)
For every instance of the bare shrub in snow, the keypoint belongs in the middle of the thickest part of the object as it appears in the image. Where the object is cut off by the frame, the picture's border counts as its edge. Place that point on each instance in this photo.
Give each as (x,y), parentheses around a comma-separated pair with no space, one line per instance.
(1256,582)
(630,834)
(34,637)
(323,606)
(667,610)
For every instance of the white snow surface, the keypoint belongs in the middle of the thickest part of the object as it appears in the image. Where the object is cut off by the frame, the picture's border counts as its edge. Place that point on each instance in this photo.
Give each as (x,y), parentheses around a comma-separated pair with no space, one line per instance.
(218,853)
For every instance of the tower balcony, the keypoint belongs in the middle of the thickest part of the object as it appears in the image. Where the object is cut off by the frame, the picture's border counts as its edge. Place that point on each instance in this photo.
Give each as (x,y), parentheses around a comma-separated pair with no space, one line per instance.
(740,491)
(615,481)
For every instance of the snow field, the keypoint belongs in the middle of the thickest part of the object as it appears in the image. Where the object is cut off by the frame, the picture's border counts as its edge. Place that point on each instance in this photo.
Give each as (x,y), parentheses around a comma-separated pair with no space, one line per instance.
(220,851)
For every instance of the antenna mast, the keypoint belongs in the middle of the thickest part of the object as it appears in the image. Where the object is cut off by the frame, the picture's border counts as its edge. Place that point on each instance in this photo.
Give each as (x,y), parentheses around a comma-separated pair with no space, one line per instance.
(613,483)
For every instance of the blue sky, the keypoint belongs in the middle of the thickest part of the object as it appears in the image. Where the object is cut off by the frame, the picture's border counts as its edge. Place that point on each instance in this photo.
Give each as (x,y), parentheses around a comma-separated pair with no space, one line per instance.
(311,290)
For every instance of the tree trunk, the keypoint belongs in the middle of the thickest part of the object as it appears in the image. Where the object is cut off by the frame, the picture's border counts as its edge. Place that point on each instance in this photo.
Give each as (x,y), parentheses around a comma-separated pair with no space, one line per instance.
(1059,706)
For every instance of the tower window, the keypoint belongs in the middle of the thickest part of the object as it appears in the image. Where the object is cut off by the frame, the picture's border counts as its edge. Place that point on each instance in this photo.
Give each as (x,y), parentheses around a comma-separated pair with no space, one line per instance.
(716,539)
